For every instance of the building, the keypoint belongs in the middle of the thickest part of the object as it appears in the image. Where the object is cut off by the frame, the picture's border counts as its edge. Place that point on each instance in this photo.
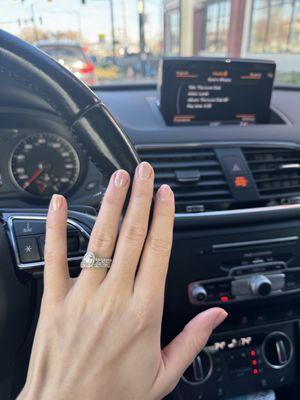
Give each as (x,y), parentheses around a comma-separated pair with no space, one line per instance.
(268,29)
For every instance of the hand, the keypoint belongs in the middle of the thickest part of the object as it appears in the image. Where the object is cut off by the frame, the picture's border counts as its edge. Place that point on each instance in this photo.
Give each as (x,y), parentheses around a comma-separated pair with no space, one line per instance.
(98,336)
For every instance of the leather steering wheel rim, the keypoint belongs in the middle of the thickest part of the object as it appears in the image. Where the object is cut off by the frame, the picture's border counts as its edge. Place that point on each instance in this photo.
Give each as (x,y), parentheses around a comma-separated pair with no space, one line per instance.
(24,68)
(90,122)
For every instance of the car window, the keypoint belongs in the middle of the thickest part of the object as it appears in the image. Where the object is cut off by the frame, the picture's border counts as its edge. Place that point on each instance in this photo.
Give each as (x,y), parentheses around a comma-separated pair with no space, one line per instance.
(123,40)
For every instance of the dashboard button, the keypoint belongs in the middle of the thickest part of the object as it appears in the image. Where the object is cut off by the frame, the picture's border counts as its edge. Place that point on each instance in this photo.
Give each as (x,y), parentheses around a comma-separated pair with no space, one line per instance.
(28,250)
(234,165)
(27,227)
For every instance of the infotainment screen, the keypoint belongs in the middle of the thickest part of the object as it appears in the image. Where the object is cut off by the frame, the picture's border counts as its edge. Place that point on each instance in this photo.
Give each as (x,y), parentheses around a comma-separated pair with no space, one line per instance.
(215,91)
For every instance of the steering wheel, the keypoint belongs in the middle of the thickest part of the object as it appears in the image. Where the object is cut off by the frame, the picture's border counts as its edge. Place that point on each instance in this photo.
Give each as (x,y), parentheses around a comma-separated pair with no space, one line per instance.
(29,77)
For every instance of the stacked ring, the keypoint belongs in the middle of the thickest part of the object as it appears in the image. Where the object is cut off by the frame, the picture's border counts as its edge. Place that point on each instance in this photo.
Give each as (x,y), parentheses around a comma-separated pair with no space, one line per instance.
(91,261)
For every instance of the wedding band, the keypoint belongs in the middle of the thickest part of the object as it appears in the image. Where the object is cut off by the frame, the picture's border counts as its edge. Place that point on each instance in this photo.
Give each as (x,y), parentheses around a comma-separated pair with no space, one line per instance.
(91,261)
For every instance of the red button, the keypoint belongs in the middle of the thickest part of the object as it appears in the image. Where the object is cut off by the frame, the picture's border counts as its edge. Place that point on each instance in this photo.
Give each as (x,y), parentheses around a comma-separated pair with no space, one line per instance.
(254,362)
(255,371)
(241,181)
(224,299)
(252,353)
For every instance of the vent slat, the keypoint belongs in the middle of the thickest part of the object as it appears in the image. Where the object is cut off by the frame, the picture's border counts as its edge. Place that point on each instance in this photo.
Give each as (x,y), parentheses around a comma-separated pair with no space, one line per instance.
(210,190)
(204,174)
(185,187)
(182,164)
(277,179)
(271,170)
(201,193)
(271,180)
(172,154)
(276,161)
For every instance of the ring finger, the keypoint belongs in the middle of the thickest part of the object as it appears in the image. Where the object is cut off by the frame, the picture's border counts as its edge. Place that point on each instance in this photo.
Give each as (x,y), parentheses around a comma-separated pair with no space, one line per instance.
(103,237)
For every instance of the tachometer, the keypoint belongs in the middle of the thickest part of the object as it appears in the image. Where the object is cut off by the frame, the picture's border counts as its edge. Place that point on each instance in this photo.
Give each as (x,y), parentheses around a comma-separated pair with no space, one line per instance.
(44,164)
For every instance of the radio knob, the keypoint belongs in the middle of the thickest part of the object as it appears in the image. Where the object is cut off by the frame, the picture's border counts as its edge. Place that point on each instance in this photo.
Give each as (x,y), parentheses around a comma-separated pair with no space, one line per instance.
(260,285)
(199,293)
(277,350)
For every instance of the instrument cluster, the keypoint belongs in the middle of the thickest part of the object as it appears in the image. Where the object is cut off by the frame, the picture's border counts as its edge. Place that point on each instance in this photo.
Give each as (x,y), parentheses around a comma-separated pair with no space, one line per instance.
(36,163)
(44,163)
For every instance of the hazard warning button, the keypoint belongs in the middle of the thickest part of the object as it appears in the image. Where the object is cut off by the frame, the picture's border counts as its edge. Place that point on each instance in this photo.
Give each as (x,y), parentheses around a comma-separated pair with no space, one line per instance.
(234,165)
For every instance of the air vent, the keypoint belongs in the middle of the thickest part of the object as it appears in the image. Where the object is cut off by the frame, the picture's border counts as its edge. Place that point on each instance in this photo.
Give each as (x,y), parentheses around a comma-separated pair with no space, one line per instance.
(194,174)
(276,171)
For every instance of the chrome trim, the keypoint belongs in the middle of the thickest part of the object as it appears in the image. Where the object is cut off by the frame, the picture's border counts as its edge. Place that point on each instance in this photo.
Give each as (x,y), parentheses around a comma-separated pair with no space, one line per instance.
(290,166)
(255,242)
(12,237)
(243,211)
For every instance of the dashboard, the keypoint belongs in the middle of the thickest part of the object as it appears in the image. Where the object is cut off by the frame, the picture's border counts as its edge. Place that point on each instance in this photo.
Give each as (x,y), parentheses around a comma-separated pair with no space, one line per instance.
(27,177)
(24,180)
(237,230)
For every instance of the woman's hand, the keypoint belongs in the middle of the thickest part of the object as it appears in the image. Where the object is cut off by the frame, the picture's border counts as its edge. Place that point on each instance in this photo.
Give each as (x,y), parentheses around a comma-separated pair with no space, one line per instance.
(98,336)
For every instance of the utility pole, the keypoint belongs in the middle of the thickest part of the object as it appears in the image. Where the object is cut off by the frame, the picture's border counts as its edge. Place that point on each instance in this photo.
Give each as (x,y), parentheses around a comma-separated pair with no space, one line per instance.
(33,21)
(113,38)
(141,11)
(112,21)
(125,37)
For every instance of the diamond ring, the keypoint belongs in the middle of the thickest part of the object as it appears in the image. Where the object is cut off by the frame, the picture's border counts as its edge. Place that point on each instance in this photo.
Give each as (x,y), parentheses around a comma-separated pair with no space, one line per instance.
(91,261)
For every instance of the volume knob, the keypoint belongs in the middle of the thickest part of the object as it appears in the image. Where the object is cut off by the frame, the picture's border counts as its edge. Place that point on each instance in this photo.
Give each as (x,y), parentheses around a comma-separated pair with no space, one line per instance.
(260,285)
(199,293)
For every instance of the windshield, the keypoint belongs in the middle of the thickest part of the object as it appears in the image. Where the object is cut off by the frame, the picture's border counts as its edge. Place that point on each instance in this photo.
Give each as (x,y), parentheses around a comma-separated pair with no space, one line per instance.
(122,41)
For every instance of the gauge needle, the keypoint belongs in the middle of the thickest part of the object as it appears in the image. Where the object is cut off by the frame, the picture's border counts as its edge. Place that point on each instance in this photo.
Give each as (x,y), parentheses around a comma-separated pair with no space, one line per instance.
(33,178)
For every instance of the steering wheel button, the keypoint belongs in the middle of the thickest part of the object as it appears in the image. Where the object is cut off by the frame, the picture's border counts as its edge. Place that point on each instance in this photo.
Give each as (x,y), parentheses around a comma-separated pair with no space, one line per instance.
(28,250)
(27,227)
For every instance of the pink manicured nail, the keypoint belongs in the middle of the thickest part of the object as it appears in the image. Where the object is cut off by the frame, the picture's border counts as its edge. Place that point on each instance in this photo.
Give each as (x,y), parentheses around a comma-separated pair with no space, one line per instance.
(219,319)
(56,202)
(144,171)
(164,192)
(121,178)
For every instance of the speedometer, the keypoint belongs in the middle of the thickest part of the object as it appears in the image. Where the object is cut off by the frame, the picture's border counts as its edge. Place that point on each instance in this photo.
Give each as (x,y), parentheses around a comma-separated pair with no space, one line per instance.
(44,164)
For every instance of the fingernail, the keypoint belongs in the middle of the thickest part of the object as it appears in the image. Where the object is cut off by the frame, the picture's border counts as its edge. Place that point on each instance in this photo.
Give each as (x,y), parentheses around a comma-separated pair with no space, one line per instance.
(164,192)
(121,178)
(144,171)
(56,202)
(220,318)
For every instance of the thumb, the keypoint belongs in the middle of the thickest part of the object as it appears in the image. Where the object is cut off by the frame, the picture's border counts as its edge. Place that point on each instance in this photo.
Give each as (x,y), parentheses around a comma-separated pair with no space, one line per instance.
(180,353)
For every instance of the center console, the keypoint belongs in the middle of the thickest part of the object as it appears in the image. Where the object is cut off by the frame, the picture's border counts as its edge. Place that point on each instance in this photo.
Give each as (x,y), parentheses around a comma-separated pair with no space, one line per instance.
(253,272)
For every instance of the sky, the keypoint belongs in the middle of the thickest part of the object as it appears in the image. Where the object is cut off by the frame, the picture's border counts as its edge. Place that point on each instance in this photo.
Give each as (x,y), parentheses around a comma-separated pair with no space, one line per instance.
(94,17)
